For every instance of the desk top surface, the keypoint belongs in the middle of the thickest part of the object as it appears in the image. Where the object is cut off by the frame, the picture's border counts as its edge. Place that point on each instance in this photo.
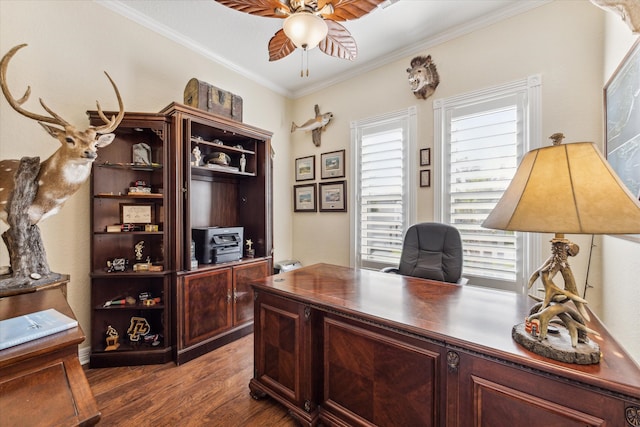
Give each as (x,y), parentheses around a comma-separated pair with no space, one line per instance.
(18,305)
(472,317)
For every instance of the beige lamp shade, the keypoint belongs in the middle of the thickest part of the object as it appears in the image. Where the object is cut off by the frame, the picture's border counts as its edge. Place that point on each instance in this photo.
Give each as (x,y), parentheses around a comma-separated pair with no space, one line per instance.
(566,188)
(305,29)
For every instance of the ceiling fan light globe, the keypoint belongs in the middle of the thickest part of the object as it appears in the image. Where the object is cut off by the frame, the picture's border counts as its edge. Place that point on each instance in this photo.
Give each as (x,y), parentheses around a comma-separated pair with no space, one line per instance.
(305,29)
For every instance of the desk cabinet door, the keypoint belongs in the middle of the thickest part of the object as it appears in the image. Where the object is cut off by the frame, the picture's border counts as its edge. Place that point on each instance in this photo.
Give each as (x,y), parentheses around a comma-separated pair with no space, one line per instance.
(377,377)
(493,394)
(243,275)
(207,305)
(283,352)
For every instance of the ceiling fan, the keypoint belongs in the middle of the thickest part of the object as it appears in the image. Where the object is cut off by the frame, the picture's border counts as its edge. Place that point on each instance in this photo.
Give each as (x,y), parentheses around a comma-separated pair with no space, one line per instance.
(309,23)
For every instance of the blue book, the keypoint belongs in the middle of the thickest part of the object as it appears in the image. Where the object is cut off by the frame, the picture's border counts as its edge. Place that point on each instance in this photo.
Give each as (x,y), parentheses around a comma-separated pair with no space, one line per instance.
(29,327)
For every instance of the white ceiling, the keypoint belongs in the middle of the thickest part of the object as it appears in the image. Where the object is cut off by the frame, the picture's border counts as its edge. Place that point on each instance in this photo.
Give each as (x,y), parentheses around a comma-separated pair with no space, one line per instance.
(239,40)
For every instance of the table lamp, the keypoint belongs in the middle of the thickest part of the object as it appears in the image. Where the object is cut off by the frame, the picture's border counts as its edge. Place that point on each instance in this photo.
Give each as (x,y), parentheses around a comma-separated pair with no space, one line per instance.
(563,188)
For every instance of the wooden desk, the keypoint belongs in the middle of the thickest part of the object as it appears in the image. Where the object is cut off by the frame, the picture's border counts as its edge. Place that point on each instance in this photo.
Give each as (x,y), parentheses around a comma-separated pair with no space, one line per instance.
(339,346)
(42,382)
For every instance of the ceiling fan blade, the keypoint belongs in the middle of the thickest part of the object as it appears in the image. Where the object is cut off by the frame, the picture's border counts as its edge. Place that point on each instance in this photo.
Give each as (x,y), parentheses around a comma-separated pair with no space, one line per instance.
(339,42)
(268,8)
(344,10)
(280,46)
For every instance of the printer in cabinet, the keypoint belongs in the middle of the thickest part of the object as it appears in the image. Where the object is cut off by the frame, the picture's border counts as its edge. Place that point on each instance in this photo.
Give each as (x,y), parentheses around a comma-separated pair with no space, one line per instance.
(217,244)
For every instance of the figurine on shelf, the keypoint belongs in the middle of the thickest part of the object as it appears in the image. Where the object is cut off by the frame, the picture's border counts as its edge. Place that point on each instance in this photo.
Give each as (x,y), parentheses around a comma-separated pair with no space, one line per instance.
(250,252)
(243,162)
(138,250)
(117,264)
(138,327)
(111,338)
(141,154)
(152,339)
(197,156)
(139,265)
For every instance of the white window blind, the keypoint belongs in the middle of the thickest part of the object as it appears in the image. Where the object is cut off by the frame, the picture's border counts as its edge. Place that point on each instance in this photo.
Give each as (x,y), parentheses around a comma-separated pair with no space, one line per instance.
(483,160)
(480,138)
(383,208)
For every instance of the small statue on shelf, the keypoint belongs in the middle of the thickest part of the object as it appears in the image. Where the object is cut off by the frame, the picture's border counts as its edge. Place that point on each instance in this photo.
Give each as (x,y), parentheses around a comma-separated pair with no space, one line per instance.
(243,162)
(197,156)
(250,252)
(111,339)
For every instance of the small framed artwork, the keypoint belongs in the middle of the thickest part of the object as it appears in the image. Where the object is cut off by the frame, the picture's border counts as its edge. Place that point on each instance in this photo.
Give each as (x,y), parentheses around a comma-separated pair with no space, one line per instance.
(425,178)
(304,198)
(305,168)
(332,164)
(138,213)
(333,196)
(425,157)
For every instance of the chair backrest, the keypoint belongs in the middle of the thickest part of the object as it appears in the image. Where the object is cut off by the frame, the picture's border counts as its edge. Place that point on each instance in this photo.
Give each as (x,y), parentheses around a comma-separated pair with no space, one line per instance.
(432,250)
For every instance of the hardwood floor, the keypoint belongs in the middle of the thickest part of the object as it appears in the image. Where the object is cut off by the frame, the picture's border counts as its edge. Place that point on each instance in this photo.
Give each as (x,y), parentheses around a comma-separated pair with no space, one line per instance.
(212,390)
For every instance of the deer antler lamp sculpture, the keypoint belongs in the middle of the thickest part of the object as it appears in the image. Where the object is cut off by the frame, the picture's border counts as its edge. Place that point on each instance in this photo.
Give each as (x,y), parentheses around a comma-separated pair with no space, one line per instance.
(565,188)
(31,191)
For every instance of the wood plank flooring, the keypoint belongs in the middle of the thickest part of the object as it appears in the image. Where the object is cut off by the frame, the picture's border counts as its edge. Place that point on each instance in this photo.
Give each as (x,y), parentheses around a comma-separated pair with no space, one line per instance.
(212,390)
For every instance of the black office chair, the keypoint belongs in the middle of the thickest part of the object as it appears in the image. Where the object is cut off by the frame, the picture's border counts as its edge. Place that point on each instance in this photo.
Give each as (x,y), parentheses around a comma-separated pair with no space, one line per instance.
(431,250)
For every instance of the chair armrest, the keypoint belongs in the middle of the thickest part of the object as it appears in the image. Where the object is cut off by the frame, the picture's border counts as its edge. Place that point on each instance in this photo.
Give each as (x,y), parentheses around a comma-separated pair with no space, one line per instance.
(393,270)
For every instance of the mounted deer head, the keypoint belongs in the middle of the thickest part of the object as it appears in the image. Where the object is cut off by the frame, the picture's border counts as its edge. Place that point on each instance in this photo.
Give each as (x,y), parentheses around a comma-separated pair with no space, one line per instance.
(68,168)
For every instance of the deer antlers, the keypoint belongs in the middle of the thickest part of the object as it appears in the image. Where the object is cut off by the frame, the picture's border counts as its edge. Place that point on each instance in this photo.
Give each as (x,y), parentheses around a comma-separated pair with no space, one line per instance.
(55,119)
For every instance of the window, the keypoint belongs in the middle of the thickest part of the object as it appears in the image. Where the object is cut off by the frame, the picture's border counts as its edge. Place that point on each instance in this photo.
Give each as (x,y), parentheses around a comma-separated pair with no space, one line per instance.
(384,187)
(482,136)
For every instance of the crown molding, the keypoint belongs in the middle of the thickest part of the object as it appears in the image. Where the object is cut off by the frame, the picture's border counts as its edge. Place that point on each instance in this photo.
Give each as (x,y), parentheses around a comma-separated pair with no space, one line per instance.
(139,18)
(413,49)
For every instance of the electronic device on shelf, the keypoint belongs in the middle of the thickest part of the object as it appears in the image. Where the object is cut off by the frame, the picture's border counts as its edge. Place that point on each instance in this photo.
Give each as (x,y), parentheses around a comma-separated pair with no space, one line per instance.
(217,244)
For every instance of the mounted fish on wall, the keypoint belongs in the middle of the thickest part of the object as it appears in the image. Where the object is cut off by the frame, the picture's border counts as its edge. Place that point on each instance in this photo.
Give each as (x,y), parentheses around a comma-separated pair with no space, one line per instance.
(315,125)
(423,77)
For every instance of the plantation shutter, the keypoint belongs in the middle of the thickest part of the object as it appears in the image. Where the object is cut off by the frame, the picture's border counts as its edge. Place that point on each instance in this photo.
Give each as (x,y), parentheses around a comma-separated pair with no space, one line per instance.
(381,198)
(384,191)
(483,160)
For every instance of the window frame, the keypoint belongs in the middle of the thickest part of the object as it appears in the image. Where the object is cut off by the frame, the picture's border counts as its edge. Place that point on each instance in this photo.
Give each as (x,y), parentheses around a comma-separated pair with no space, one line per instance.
(529,256)
(410,177)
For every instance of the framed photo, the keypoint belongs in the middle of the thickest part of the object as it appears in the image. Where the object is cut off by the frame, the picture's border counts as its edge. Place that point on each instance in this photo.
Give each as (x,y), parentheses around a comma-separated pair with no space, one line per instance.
(332,164)
(304,198)
(306,168)
(622,120)
(425,178)
(136,213)
(333,196)
(425,157)
(622,123)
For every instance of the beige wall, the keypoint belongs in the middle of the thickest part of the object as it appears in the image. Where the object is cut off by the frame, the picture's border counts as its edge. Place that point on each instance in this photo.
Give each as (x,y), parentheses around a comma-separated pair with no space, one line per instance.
(70,44)
(620,257)
(566,52)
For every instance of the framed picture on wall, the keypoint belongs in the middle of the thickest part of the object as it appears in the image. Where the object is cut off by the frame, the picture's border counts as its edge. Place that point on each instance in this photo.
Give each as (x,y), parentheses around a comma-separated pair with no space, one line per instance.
(622,123)
(304,198)
(333,196)
(332,164)
(425,157)
(425,178)
(622,120)
(306,168)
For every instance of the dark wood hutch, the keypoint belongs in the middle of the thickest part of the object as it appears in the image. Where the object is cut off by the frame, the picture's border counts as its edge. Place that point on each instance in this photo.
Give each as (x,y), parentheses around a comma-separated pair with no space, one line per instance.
(200,307)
